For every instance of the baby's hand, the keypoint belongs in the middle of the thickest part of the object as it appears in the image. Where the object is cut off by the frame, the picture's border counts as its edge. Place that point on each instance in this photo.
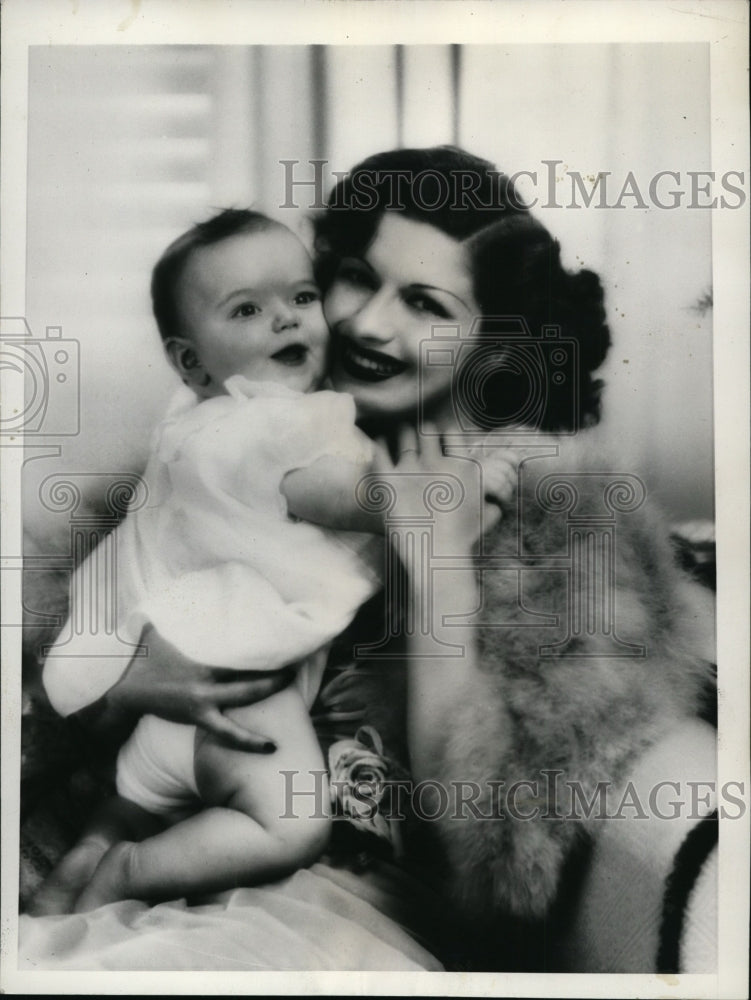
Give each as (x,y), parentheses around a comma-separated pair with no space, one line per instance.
(500,467)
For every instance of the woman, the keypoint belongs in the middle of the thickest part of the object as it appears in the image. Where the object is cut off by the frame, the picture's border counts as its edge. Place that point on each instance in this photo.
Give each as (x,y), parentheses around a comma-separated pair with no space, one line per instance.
(524,699)
(452,315)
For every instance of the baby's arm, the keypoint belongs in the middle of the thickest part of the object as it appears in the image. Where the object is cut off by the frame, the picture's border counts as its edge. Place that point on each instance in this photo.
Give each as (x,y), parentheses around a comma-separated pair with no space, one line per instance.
(325,493)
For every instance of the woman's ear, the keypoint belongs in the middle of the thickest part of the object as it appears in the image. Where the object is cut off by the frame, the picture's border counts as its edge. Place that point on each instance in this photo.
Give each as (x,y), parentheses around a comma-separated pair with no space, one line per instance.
(185,361)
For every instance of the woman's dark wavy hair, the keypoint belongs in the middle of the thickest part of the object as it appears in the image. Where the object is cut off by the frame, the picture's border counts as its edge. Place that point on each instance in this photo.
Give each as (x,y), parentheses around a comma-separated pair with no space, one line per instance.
(516,266)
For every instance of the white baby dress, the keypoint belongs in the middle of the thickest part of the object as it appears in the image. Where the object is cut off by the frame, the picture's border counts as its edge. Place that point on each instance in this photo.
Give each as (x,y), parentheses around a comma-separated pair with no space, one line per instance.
(213,560)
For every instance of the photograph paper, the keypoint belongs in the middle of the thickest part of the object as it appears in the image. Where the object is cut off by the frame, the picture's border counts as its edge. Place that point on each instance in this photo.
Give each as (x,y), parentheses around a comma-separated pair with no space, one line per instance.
(374,439)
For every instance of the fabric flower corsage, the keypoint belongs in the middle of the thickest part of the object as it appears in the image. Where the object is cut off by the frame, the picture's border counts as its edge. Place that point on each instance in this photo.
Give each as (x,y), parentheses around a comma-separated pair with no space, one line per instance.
(361,781)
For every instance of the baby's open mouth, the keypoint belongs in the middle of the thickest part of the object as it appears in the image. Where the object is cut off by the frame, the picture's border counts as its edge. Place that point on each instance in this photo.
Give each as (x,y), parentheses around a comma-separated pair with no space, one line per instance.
(366,365)
(292,354)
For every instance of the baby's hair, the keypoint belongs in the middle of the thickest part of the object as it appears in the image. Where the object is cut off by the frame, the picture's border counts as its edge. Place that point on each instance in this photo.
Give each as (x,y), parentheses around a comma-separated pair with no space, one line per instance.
(170,266)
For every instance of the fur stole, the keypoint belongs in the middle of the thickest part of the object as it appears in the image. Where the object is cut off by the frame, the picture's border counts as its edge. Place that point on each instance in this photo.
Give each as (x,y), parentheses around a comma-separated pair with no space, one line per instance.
(588,636)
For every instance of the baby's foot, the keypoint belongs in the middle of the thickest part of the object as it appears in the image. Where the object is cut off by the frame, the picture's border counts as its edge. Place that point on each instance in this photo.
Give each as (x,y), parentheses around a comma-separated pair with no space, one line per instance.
(110,881)
(63,885)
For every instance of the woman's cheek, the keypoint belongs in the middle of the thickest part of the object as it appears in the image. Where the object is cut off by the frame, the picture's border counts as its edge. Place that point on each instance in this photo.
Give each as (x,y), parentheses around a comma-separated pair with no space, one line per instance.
(341,302)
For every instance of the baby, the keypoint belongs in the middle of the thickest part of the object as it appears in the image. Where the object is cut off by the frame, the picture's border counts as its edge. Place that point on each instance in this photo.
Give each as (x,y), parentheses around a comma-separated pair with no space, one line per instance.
(220,563)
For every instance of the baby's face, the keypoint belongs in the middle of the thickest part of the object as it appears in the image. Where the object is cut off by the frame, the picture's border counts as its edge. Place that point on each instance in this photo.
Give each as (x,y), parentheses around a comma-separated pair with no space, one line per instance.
(249,306)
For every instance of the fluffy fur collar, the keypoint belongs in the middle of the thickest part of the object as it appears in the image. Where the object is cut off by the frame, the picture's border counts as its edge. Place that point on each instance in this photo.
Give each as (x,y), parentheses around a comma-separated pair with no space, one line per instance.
(586,709)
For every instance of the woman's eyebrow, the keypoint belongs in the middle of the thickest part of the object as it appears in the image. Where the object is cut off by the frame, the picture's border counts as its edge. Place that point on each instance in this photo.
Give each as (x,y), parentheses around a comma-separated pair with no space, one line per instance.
(358,259)
(437,288)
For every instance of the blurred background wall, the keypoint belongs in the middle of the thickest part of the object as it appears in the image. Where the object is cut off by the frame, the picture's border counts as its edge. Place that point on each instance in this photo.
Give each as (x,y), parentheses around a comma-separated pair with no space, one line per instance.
(129,146)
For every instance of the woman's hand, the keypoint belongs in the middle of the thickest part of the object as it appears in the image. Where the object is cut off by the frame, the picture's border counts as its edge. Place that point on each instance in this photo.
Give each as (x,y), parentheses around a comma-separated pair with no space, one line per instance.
(418,458)
(443,672)
(166,683)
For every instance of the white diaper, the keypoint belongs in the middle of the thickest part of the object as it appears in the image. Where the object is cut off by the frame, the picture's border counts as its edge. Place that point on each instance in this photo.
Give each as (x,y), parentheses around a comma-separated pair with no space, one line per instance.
(155,767)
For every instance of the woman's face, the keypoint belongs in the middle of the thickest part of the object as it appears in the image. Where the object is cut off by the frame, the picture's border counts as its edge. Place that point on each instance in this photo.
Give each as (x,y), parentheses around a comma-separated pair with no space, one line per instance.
(383,305)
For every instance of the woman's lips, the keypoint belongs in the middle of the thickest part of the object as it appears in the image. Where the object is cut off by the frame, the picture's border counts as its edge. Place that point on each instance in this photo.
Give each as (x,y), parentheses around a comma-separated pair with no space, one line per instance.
(366,365)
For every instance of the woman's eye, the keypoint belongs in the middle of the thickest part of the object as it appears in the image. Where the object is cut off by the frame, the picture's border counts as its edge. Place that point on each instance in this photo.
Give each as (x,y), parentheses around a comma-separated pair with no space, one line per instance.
(305,298)
(354,274)
(244,310)
(426,303)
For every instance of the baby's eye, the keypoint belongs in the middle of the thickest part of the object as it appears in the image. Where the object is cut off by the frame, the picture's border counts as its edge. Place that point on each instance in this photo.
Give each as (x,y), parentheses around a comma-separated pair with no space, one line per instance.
(244,310)
(306,297)
(421,302)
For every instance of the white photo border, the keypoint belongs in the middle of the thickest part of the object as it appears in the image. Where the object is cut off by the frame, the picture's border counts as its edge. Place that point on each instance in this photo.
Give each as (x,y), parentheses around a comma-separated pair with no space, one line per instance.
(721,23)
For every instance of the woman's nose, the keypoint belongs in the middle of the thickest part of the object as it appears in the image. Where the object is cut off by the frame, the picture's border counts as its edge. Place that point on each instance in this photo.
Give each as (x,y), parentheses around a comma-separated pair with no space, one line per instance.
(374,321)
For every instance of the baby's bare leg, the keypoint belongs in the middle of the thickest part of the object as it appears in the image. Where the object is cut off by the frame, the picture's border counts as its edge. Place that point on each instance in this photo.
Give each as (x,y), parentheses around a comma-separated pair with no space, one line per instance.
(260,823)
(117,820)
